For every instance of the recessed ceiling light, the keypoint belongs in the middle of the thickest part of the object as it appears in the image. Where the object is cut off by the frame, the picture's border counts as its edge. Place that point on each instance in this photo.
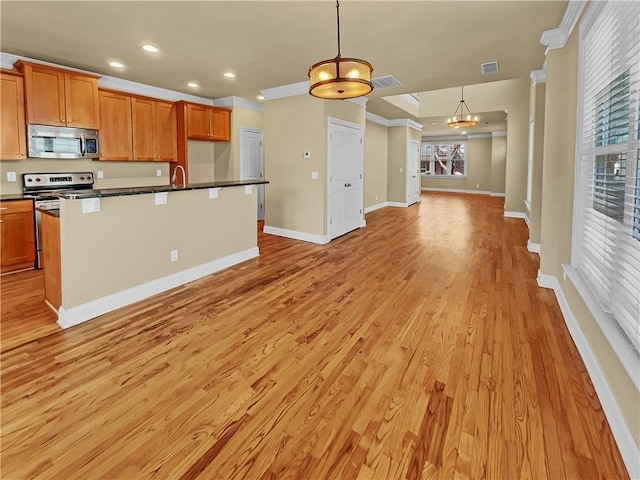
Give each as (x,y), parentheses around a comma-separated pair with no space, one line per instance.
(116,64)
(433,123)
(150,48)
(463,133)
(193,85)
(229,75)
(260,97)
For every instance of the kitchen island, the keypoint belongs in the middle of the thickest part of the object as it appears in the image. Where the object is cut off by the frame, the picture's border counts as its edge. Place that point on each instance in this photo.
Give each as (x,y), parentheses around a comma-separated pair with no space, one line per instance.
(119,246)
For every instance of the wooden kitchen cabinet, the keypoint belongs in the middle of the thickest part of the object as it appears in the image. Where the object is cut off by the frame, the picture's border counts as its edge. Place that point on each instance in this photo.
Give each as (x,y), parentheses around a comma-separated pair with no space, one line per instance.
(12,123)
(116,133)
(59,97)
(51,263)
(208,123)
(17,235)
(154,130)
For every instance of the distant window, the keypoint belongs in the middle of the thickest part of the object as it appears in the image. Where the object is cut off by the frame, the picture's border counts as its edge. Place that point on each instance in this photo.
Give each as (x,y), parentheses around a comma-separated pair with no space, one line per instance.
(445,160)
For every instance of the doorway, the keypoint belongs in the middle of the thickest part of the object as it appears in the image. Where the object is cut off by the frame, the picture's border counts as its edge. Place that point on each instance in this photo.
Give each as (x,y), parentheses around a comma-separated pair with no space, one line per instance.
(252,162)
(413,172)
(345,170)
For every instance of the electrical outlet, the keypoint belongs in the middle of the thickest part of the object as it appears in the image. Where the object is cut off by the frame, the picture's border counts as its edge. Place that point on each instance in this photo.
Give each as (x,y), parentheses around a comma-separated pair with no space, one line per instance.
(174,255)
(477,186)
(376,197)
(400,169)
(306,155)
(158,173)
(11,176)
(100,174)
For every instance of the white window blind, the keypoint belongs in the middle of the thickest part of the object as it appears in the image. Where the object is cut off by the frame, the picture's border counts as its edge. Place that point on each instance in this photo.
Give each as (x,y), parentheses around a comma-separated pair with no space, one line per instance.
(608,242)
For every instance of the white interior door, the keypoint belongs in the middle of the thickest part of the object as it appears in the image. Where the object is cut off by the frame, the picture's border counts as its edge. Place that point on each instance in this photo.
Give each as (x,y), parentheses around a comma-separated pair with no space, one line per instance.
(252,162)
(413,172)
(346,164)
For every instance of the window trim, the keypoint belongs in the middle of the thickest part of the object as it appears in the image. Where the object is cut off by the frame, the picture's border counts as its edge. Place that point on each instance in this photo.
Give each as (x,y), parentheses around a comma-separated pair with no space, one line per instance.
(447,143)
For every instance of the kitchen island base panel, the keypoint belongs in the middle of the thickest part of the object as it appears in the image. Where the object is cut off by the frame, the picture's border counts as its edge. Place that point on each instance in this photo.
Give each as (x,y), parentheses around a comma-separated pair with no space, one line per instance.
(133,248)
(81,313)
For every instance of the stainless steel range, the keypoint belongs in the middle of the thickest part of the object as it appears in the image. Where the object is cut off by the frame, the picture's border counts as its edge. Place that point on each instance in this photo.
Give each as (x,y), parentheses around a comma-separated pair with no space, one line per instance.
(45,188)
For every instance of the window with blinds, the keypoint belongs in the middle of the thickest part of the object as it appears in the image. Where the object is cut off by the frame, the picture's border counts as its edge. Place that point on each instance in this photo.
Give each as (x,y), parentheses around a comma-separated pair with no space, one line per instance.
(608,206)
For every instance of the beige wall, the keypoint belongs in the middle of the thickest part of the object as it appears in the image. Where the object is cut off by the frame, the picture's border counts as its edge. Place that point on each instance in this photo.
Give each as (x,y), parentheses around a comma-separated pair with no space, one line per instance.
(129,241)
(201,156)
(478,169)
(556,219)
(116,174)
(397,164)
(536,109)
(515,184)
(376,144)
(293,200)
(498,163)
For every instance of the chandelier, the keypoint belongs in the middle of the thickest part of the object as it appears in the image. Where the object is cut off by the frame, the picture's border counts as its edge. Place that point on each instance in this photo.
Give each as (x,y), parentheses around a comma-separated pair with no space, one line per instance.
(459,118)
(340,78)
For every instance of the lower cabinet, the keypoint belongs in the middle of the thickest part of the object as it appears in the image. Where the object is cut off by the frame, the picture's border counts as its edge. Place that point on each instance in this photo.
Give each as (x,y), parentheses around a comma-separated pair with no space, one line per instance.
(18,235)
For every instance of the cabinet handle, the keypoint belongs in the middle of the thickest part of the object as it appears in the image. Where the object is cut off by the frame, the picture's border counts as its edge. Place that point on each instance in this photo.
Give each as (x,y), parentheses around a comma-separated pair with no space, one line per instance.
(3,208)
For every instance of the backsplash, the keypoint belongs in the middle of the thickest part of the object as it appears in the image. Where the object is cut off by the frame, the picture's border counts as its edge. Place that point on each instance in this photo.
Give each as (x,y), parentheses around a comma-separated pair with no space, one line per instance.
(116,174)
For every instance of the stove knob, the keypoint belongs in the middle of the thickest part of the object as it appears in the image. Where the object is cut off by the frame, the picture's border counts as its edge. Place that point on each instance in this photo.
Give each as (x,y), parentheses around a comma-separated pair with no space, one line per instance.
(29,179)
(81,178)
(38,179)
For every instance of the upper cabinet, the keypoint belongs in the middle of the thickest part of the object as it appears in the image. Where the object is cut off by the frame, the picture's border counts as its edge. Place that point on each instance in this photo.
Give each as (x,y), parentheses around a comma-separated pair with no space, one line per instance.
(60,97)
(206,123)
(136,128)
(12,123)
(116,140)
(154,130)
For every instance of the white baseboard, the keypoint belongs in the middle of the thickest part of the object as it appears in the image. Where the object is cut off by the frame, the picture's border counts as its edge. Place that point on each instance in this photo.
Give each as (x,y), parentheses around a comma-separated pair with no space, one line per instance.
(304,236)
(375,207)
(456,190)
(498,194)
(68,317)
(533,247)
(509,214)
(623,437)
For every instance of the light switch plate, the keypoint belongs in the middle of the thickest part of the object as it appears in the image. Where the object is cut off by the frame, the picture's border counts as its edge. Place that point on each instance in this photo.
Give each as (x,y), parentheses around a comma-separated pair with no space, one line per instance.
(158,173)
(100,174)
(11,176)
(314,175)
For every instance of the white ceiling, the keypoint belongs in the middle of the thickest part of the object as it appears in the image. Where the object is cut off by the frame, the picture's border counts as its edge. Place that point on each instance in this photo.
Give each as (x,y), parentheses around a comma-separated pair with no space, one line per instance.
(427,45)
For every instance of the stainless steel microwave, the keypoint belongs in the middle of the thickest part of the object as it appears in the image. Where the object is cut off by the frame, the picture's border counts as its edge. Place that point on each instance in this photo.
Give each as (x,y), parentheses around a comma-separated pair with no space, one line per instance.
(62,142)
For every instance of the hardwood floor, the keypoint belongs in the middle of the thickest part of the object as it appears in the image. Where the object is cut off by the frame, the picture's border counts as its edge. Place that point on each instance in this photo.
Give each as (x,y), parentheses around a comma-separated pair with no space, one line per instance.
(417,347)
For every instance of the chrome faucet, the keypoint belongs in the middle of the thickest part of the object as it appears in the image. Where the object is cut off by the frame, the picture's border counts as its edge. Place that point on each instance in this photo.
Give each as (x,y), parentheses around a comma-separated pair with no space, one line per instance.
(175,175)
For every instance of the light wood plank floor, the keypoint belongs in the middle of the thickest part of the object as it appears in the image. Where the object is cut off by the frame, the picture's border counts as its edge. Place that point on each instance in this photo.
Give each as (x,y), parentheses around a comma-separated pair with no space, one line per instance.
(417,347)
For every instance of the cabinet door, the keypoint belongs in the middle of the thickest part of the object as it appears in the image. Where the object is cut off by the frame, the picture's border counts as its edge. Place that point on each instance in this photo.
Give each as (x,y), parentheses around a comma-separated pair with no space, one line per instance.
(115,126)
(12,124)
(142,112)
(17,235)
(198,122)
(44,89)
(220,125)
(165,132)
(81,94)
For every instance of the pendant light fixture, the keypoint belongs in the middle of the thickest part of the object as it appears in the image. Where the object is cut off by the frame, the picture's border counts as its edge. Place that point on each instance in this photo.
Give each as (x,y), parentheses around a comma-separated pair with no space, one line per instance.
(340,78)
(459,118)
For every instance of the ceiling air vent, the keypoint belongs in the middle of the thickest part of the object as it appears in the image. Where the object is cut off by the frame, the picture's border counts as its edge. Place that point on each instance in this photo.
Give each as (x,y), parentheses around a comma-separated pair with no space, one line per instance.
(489,67)
(386,82)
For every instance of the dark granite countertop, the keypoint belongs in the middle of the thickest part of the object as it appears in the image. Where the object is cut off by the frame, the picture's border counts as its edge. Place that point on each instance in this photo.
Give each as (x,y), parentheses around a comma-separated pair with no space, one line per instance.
(54,212)
(119,192)
(13,196)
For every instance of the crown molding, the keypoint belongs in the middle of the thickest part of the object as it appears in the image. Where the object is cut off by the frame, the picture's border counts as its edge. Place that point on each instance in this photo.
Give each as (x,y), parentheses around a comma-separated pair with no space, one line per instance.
(538,76)
(480,135)
(557,38)
(237,102)
(284,91)
(405,122)
(105,81)
(502,133)
(362,101)
(372,117)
